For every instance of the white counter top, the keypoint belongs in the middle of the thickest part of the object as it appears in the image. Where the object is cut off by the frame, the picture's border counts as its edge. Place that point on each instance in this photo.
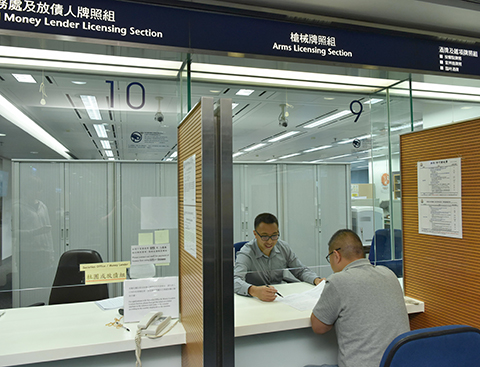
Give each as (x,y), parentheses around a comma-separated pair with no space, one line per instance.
(253,316)
(47,333)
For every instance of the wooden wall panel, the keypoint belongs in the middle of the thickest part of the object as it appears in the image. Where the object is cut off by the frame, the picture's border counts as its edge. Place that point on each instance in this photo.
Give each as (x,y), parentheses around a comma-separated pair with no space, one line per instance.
(441,271)
(191,269)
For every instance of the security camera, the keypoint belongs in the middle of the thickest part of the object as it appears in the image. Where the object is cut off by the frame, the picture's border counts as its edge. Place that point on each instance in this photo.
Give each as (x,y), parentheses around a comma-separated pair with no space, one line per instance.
(159,117)
(283,117)
(283,122)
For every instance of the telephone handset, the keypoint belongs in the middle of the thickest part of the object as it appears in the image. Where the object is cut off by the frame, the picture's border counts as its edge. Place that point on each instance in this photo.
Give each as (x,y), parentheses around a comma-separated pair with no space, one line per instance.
(153,322)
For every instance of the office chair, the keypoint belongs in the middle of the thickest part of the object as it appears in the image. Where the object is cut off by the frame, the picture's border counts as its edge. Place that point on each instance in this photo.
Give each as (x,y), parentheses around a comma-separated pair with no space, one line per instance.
(69,274)
(443,346)
(381,250)
(237,246)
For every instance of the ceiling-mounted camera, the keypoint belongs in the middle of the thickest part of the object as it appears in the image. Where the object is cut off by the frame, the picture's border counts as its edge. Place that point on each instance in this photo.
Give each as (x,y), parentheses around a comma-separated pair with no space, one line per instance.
(159,115)
(283,117)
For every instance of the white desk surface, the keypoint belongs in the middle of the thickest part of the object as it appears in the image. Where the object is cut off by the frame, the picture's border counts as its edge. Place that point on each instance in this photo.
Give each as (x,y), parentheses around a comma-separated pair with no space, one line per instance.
(46,333)
(57,332)
(253,316)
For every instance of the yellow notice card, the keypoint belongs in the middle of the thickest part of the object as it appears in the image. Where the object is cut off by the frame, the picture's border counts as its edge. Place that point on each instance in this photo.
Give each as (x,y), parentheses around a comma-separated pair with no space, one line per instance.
(145,239)
(162,236)
(100,273)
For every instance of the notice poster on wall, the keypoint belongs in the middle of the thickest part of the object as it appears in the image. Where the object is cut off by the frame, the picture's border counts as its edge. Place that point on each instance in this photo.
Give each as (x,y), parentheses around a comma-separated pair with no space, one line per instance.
(440,197)
(189,184)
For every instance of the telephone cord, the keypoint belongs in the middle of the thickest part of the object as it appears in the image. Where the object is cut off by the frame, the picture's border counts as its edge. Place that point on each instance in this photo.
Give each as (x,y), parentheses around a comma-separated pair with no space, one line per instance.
(138,342)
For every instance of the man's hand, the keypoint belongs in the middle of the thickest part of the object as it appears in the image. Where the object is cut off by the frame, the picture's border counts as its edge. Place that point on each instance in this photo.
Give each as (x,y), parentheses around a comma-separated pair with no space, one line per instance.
(318,280)
(263,293)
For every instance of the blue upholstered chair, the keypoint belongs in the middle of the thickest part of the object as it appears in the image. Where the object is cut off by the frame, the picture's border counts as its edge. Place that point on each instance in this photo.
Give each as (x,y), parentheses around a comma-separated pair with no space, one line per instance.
(443,346)
(237,246)
(381,250)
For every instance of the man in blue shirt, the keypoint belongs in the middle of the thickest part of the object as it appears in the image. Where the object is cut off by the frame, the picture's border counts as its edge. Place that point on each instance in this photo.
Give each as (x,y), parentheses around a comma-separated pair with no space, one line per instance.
(261,262)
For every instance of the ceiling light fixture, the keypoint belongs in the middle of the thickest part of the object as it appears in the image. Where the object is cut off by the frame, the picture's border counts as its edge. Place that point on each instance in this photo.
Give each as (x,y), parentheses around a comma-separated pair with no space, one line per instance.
(109,153)
(91,106)
(254,147)
(174,154)
(237,154)
(317,148)
(328,119)
(101,131)
(18,118)
(24,78)
(78,82)
(289,155)
(245,92)
(271,160)
(283,136)
(339,156)
(105,144)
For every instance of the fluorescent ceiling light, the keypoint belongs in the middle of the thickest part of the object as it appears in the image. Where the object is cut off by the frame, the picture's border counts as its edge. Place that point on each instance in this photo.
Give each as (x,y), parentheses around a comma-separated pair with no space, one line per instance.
(339,156)
(254,147)
(90,103)
(78,82)
(24,78)
(373,101)
(109,153)
(237,154)
(283,136)
(245,92)
(100,130)
(289,156)
(234,105)
(80,57)
(271,160)
(292,75)
(327,119)
(18,118)
(174,154)
(105,144)
(111,159)
(169,160)
(284,83)
(317,148)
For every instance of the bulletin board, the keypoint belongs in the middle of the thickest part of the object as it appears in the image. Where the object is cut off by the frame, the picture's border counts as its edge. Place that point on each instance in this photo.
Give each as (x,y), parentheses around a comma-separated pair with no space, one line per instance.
(444,272)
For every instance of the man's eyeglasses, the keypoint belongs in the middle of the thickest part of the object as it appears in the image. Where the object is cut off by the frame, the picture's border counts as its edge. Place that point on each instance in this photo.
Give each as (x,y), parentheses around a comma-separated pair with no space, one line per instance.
(328,256)
(266,238)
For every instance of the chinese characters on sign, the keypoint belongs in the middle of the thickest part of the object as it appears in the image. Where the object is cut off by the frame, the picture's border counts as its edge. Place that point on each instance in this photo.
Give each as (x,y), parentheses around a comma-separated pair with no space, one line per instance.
(101,273)
(319,44)
(440,197)
(451,59)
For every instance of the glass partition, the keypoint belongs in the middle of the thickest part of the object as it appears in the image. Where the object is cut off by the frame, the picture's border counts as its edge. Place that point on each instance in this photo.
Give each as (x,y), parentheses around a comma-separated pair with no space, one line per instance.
(88,141)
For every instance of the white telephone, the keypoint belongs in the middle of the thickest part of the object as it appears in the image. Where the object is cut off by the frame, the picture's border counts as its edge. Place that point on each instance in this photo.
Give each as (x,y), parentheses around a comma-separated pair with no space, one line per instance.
(153,323)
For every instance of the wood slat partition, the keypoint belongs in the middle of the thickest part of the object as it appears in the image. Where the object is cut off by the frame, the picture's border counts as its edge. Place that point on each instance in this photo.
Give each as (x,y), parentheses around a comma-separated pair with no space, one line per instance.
(443,272)
(191,269)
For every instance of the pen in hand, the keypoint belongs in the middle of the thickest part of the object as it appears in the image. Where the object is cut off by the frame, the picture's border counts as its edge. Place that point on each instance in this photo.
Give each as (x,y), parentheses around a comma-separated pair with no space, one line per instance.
(275,292)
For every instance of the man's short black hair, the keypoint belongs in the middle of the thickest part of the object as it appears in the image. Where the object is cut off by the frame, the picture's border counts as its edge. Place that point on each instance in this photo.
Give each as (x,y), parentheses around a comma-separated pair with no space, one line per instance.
(266,218)
(349,242)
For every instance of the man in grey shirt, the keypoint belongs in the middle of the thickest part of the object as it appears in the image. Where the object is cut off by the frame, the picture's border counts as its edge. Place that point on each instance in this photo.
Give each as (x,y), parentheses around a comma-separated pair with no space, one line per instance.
(364,302)
(261,262)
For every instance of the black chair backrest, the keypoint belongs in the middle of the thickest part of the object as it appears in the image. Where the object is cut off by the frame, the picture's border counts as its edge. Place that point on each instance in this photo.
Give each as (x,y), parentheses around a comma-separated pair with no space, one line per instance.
(69,283)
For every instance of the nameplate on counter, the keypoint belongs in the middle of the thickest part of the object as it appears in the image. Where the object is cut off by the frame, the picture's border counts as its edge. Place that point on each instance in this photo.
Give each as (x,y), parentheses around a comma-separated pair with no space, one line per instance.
(100,273)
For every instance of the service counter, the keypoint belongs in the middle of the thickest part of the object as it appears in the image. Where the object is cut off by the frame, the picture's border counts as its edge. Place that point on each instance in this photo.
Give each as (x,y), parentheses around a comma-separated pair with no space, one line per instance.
(81,333)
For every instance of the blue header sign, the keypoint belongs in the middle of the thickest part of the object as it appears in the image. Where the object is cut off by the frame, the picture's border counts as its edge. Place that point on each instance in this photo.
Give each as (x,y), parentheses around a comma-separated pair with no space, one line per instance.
(193,29)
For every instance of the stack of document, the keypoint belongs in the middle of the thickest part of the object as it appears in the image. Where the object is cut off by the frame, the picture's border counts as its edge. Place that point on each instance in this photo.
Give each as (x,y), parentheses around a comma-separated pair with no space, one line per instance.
(110,303)
(306,300)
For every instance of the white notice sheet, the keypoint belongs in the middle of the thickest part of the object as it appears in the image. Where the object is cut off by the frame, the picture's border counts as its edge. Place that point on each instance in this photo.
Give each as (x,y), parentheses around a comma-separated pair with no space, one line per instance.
(439,185)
